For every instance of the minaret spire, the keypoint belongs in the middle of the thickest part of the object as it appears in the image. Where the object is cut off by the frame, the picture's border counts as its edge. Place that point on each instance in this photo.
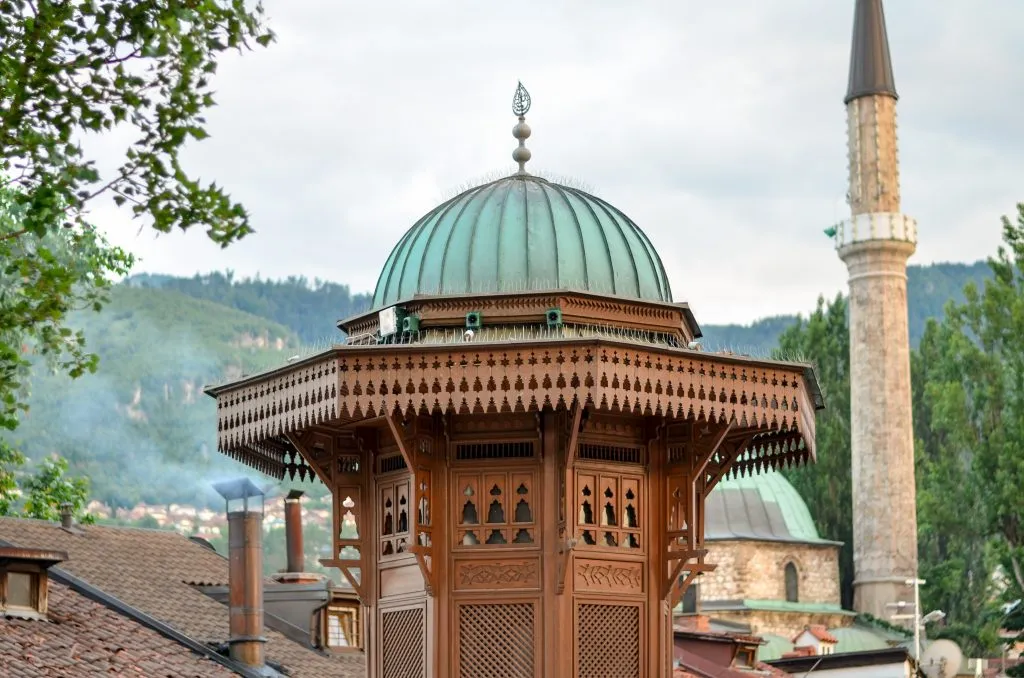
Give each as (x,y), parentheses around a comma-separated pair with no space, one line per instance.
(870,63)
(875,243)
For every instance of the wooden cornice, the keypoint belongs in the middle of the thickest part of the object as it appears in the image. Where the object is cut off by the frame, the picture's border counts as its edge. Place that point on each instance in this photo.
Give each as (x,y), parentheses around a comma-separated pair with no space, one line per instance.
(774,402)
(581,308)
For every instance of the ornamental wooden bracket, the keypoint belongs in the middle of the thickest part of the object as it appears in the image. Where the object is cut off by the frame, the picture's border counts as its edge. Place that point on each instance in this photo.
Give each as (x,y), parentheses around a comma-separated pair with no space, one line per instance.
(345,566)
(569,543)
(696,569)
(689,560)
(715,472)
(403,447)
(422,537)
(574,435)
(710,449)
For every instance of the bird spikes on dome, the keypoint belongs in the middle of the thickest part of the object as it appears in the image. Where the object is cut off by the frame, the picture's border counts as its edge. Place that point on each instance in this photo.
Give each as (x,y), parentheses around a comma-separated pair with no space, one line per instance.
(496,175)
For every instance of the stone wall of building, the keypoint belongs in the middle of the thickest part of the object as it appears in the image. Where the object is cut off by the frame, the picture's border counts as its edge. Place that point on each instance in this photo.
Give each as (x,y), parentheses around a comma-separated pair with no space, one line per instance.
(756,570)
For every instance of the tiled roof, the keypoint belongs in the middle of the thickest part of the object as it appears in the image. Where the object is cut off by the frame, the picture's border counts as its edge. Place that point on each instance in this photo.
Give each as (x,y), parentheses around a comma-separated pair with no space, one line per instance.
(85,638)
(762,507)
(149,570)
(819,632)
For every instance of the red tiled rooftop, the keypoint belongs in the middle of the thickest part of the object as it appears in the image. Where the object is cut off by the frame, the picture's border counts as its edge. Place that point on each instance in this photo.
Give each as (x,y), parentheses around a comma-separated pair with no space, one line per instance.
(85,638)
(149,570)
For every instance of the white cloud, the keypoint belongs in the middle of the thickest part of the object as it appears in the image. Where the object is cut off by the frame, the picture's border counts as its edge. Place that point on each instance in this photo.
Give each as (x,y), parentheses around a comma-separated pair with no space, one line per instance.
(718,127)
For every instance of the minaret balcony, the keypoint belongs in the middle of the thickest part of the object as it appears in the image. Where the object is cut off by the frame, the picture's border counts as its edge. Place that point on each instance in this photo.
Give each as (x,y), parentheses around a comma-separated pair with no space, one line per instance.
(875,226)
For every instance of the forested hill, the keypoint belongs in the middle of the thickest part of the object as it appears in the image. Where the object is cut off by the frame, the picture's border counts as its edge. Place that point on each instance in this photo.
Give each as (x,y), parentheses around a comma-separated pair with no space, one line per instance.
(311,308)
(141,428)
(929,289)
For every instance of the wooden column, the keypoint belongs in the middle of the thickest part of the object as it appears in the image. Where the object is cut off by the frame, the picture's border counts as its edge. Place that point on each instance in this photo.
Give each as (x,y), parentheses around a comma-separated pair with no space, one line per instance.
(657,631)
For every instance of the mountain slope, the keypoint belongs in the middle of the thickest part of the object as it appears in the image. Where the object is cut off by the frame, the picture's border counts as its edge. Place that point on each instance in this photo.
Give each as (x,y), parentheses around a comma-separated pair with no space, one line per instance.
(929,289)
(141,427)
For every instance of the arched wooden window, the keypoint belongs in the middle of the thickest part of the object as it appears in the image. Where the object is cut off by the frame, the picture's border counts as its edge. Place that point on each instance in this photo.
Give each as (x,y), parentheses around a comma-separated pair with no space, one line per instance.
(792,584)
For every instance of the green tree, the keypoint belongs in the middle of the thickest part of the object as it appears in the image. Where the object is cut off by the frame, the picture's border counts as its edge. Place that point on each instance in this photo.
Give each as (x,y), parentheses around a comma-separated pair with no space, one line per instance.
(824,339)
(953,541)
(75,68)
(989,327)
(47,490)
(41,494)
(10,461)
(42,280)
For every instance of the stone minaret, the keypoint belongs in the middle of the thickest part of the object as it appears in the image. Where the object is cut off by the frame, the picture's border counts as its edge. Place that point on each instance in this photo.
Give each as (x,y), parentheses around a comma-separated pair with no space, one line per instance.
(875,244)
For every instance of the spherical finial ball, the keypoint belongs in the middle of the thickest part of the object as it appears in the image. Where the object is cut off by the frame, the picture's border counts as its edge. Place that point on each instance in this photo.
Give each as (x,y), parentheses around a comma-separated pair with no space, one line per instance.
(521,131)
(521,154)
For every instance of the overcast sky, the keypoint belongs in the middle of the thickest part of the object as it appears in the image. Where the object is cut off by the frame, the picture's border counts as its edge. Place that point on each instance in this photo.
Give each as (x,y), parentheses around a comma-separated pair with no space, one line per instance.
(718,127)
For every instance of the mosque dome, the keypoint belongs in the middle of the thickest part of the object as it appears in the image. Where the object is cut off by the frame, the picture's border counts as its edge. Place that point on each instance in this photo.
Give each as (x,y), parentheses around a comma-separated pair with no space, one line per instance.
(765,507)
(523,233)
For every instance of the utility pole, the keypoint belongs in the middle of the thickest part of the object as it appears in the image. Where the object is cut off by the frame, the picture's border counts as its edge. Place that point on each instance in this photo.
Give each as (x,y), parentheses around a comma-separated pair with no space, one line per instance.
(916,616)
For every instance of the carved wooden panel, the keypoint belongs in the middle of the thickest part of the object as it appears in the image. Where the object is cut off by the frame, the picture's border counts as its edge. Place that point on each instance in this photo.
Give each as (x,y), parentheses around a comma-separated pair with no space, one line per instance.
(495,508)
(606,576)
(609,510)
(511,573)
(497,640)
(608,641)
(402,644)
(394,516)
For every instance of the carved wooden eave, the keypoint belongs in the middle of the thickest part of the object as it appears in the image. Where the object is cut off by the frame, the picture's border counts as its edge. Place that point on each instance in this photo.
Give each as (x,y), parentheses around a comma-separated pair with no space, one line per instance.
(770,404)
(524,308)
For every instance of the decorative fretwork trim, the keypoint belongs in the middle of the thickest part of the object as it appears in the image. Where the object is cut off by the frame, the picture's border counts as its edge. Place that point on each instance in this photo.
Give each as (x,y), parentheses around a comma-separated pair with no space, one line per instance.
(354,384)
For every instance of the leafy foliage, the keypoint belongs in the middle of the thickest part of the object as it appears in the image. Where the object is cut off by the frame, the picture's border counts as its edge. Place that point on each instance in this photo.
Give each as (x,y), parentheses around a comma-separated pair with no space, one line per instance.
(40,495)
(43,278)
(81,67)
(826,487)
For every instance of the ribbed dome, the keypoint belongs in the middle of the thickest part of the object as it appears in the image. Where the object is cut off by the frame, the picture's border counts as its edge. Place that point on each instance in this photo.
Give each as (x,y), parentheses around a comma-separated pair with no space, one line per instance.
(764,507)
(523,233)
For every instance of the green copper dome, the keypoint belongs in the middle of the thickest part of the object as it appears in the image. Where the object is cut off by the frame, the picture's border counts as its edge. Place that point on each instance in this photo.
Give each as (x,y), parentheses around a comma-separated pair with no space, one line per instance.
(523,233)
(763,507)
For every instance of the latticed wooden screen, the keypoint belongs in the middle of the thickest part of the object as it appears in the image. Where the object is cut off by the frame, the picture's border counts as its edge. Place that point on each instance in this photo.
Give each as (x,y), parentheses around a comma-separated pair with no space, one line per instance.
(496,640)
(402,641)
(608,642)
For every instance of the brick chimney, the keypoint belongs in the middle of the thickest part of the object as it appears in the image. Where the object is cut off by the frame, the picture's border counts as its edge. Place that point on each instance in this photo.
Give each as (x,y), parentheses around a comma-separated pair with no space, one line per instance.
(293,532)
(245,570)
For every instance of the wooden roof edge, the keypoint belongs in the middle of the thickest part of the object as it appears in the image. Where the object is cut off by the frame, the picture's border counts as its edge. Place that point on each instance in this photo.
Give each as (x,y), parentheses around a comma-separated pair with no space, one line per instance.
(807,370)
(681,306)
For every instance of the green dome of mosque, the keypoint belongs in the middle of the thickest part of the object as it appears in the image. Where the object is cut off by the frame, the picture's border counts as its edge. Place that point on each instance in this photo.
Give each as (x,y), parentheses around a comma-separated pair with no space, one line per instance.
(523,233)
(762,507)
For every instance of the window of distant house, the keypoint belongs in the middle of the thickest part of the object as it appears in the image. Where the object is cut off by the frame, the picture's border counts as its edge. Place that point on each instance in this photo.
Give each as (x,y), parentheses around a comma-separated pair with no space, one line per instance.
(792,584)
(744,659)
(343,626)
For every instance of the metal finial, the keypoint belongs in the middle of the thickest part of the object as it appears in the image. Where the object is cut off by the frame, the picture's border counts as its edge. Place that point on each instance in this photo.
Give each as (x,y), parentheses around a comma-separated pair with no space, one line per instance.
(520,106)
(521,101)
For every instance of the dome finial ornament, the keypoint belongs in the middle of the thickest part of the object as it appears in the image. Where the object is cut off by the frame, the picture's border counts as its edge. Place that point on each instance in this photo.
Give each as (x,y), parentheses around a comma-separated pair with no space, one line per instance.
(520,107)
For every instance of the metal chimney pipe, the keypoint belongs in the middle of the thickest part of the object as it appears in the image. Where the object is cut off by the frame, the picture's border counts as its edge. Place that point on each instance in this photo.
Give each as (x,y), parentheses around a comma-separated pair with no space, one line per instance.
(67,516)
(245,570)
(293,532)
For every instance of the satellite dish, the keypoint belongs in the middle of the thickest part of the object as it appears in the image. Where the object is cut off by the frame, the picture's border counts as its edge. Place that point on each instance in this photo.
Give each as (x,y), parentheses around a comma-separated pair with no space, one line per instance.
(942,659)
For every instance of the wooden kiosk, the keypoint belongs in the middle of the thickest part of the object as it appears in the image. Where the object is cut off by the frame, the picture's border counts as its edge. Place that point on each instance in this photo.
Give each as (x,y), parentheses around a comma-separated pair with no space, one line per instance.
(519,439)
